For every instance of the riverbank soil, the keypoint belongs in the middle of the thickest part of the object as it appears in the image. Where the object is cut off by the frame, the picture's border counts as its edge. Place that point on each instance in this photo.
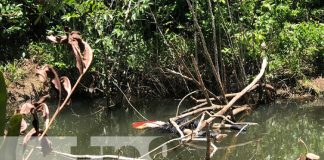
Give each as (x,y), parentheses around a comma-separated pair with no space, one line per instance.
(29,87)
(26,88)
(316,85)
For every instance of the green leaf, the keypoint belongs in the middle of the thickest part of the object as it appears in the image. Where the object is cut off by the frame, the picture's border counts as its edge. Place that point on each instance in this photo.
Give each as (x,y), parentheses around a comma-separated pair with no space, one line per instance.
(8,148)
(14,125)
(3,103)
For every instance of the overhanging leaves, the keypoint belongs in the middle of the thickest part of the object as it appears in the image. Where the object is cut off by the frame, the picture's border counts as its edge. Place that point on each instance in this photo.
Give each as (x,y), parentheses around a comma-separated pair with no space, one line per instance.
(81,49)
(26,108)
(41,73)
(44,109)
(88,55)
(66,84)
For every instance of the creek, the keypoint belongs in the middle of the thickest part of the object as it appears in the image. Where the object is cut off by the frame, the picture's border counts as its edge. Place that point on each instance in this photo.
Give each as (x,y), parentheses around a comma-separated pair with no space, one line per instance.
(280,125)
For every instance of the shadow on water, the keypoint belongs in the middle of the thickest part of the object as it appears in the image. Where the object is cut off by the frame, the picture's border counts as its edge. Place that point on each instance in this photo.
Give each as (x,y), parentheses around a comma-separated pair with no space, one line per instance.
(276,136)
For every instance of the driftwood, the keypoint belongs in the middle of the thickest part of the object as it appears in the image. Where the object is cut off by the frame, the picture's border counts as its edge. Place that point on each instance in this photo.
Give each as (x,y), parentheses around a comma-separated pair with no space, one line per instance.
(211,107)
(213,111)
(231,95)
(206,112)
(218,111)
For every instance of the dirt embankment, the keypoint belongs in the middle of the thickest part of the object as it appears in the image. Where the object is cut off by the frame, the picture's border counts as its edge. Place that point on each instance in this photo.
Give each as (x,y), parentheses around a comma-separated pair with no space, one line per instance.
(306,90)
(29,87)
(317,84)
(26,88)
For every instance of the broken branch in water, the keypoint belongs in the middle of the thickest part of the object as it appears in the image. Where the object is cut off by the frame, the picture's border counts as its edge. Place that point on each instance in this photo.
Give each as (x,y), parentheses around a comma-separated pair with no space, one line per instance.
(235,98)
(205,112)
(189,94)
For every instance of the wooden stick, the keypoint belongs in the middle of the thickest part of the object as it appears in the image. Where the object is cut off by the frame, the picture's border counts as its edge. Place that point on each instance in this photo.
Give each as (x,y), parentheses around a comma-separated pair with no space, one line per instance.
(167,142)
(201,82)
(240,109)
(230,95)
(194,108)
(61,106)
(206,53)
(184,99)
(208,142)
(246,89)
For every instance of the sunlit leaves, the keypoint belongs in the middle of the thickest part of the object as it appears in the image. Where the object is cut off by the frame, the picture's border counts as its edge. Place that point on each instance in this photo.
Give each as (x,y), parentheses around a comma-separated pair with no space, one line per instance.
(69,16)
(44,109)
(12,18)
(73,40)
(87,55)
(28,136)
(46,144)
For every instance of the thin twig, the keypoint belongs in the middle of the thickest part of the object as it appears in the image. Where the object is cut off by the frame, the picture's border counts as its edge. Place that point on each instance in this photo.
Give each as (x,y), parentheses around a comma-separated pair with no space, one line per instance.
(129,101)
(29,154)
(240,144)
(233,100)
(189,94)
(214,150)
(61,106)
(167,142)
(241,130)
(300,140)
(168,150)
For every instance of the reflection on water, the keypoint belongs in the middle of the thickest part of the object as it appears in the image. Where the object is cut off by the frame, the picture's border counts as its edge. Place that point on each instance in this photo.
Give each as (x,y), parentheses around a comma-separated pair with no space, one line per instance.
(276,136)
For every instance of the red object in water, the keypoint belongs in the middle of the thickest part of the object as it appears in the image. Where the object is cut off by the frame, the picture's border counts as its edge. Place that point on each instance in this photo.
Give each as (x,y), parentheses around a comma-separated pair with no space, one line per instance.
(138,124)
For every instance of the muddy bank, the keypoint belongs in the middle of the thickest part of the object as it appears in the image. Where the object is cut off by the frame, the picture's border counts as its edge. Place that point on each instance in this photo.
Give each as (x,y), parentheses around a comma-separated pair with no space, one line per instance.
(30,88)
(26,88)
(306,90)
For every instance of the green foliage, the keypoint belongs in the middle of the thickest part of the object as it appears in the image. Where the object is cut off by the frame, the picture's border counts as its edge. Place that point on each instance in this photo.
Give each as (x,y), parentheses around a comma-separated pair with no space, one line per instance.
(3,103)
(8,147)
(14,125)
(46,53)
(131,35)
(12,19)
(296,49)
(14,25)
(41,52)
(13,71)
(293,39)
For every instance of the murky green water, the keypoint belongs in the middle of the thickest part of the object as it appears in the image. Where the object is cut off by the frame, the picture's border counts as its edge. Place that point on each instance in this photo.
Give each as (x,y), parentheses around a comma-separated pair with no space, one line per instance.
(276,136)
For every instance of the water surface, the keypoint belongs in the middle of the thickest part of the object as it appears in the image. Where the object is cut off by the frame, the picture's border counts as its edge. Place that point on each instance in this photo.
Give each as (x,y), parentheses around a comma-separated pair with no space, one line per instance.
(276,137)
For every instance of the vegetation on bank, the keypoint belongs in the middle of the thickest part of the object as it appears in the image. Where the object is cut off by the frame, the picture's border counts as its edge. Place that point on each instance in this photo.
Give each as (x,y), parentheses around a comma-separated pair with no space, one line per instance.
(135,42)
(160,48)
